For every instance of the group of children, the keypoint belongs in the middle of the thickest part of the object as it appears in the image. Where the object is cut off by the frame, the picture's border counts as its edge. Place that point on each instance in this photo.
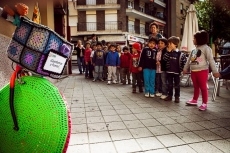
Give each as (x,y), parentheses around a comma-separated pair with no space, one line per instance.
(157,67)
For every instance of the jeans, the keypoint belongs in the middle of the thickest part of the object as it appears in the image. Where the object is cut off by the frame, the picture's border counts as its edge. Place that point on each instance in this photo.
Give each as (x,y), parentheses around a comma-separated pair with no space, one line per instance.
(125,73)
(118,73)
(149,80)
(164,83)
(89,70)
(136,80)
(98,70)
(173,80)
(81,64)
(158,83)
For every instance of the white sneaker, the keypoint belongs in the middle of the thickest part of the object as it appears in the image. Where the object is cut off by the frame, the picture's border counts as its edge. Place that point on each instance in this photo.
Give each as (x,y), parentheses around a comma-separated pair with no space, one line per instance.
(163,96)
(109,82)
(152,95)
(158,94)
(114,82)
(146,94)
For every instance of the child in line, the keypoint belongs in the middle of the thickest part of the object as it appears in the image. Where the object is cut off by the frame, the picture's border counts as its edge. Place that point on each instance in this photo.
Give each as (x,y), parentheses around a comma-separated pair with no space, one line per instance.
(105,69)
(148,64)
(88,65)
(94,48)
(161,75)
(124,65)
(136,74)
(112,62)
(118,72)
(199,61)
(98,62)
(175,61)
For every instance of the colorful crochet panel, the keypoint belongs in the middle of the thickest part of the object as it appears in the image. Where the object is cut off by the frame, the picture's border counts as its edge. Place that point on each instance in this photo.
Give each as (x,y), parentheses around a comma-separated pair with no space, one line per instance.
(39,49)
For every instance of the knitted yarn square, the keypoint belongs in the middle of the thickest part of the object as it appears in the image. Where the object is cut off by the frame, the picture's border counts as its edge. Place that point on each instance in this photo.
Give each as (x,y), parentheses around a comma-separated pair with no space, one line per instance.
(31,45)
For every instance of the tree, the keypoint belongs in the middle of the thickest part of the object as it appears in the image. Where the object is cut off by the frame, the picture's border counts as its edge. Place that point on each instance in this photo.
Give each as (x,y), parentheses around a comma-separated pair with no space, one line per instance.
(213,16)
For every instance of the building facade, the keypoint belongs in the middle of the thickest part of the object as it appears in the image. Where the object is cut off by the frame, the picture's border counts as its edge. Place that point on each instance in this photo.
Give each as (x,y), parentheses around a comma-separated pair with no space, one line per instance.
(119,21)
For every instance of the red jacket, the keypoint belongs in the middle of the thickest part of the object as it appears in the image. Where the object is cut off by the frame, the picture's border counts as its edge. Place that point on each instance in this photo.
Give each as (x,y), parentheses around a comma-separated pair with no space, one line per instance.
(87,54)
(134,63)
(125,60)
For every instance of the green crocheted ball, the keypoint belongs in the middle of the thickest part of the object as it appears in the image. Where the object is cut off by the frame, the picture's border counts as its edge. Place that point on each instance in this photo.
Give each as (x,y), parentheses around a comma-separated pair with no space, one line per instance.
(42,118)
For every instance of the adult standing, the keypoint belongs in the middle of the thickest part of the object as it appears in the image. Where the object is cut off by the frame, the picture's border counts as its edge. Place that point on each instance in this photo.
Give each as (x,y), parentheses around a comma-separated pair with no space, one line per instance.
(80,56)
(154,31)
(94,39)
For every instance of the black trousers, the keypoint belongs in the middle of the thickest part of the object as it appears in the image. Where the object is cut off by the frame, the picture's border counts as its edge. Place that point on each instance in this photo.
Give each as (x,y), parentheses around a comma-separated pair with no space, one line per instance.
(173,80)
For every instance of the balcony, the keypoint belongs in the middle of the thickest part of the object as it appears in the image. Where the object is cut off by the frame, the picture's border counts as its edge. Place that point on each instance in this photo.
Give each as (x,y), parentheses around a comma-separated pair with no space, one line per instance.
(92,5)
(147,17)
(137,30)
(99,27)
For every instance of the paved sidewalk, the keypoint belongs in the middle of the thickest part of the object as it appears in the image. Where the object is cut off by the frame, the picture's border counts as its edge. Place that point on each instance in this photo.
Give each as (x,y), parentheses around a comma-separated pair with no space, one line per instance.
(111,119)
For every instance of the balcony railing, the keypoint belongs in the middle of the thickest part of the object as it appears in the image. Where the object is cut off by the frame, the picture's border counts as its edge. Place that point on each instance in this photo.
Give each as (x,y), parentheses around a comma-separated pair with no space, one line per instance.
(136,29)
(93,2)
(95,26)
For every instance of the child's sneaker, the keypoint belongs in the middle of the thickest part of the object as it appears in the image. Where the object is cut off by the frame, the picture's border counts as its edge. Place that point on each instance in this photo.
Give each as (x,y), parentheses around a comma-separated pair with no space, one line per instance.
(158,94)
(101,80)
(134,90)
(152,95)
(94,80)
(140,89)
(192,102)
(109,82)
(114,82)
(163,96)
(203,107)
(146,94)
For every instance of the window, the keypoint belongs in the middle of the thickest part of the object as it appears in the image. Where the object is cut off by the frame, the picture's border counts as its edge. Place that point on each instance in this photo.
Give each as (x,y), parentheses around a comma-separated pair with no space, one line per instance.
(181,29)
(130,4)
(181,8)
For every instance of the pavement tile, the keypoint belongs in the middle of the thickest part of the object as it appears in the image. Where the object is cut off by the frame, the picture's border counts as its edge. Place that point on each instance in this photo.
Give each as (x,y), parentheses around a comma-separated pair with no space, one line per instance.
(133,124)
(109,112)
(159,130)
(150,110)
(97,119)
(176,128)
(97,127)
(172,113)
(96,137)
(166,120)
(181,149)
(189,137)
(158,151)
(132,106)
(137,110)
(117,135)
(79,148)
(149,143)
(78,121)
(116,107)
(144,105)
(104,104)
(77,115)
(113,118)
(103,108)
(223,145)
(77,105)
(128,117)
(222,122)
(193,126)
(140,132)
(79,138)
(204,147)
(150,122)
(93,114)
(106,147)
(123,111)
(208,124)
(143,116)
(81,128)
(77,110)
(116,125)
(125,146)
(170,140)
(195,118)
(181,119)
(92,108)
(207,135)
(158,115)
(91,105)
(224,133)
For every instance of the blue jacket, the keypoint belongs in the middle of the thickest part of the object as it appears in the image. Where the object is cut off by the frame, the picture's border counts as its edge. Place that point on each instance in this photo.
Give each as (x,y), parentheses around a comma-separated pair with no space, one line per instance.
(113,59)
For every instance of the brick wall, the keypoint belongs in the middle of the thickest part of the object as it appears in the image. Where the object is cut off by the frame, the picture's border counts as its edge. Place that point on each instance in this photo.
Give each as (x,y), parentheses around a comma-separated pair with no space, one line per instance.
(137,26)
(81,2)
(99,2)
(121,15)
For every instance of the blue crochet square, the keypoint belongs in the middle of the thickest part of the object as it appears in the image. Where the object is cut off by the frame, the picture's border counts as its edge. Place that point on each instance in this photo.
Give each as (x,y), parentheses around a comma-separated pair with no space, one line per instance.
(22,32)
(38,39)
(14,51)
(30,59)
(54,43)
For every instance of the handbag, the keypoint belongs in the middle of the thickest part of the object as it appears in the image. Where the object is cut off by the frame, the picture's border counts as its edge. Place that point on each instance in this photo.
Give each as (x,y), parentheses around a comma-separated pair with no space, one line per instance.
(39,49)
